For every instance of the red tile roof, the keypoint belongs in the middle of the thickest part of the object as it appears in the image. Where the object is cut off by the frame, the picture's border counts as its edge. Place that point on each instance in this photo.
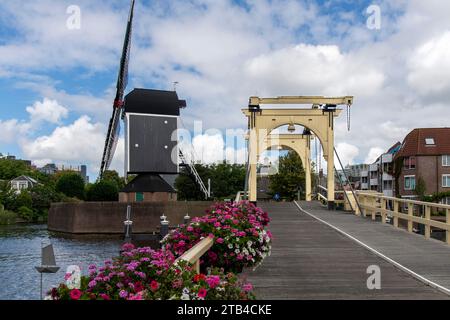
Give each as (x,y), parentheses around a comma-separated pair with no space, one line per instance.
(415,145)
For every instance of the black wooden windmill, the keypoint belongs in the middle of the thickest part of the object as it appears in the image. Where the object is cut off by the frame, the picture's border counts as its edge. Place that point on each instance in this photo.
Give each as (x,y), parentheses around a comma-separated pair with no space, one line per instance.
(151,122)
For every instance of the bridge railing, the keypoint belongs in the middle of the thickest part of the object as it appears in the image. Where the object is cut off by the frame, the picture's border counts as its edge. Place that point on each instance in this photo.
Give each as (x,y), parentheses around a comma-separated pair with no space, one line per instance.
(240,196)
(322,195)
(412,215)
(196,252)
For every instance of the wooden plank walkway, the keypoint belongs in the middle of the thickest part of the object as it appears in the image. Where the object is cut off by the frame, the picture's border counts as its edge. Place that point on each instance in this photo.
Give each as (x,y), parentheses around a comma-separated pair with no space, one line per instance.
(428,258)
(310,260)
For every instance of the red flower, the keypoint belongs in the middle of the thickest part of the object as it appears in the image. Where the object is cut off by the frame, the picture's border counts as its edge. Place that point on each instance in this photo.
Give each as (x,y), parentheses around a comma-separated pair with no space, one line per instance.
(154,285)
(199,277)
(202,293)
(75,294)
(105,297)
(138,287)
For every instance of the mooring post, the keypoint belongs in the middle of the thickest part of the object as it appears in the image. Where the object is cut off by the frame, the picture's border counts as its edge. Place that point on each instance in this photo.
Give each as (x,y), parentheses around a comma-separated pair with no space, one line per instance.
(187,219)
(128,226)
(164,231)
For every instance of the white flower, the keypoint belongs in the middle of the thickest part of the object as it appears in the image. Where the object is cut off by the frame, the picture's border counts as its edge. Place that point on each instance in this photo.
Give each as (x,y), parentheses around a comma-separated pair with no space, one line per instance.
(185,297)
(249,244)
(230,246)
(186,291)
(237,251)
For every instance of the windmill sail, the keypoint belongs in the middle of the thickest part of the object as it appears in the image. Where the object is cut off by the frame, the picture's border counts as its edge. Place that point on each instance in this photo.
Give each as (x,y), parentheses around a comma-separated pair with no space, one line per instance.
(112,137)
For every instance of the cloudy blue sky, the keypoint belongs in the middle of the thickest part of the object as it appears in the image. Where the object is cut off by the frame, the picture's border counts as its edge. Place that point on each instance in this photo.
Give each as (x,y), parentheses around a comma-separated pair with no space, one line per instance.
(57,84)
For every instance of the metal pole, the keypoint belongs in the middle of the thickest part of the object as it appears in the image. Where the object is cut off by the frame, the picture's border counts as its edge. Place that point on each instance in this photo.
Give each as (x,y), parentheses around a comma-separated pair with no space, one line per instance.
(41,287)
(351,188)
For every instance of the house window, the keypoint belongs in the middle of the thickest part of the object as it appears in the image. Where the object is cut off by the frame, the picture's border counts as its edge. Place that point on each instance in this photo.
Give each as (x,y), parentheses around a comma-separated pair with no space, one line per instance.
(139,196)
(409,163)
(446,160)
(446,201)
(430,142)
(446,180)
(410,183)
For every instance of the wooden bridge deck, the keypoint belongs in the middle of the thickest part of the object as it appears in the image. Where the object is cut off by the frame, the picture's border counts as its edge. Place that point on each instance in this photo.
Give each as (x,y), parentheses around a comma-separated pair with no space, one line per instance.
(310,260)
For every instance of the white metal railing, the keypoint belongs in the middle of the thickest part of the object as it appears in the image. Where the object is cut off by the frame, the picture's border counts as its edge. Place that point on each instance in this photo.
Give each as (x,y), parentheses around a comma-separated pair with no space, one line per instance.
(240,196)
(198,179)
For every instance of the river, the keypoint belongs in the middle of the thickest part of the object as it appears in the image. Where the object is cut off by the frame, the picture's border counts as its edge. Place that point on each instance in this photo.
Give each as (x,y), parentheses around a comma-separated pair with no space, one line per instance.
(20,252)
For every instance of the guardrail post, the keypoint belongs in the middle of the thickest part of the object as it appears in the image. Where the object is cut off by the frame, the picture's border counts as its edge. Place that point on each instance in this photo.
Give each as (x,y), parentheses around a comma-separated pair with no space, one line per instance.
(374,212)
(427,225)
(410,215)
(447,232)
(383,212)
(396,206)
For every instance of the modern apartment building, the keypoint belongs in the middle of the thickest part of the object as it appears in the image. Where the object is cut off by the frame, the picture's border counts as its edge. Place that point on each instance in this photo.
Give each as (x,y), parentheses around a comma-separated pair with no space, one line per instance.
(425,154)
(379,175)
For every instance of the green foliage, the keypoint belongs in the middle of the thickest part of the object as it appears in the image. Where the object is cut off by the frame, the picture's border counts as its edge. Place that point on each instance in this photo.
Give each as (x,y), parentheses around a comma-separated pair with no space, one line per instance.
(23,199)
(7,217)
(290,177)
(105,190)
(71,184)
(421,188)
(226,181)
(113,176)
(10,169)
(27,214)
(43,196)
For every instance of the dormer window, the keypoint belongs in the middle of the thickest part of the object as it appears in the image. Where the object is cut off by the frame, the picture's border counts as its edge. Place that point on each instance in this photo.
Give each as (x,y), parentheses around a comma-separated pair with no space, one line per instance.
(430,142)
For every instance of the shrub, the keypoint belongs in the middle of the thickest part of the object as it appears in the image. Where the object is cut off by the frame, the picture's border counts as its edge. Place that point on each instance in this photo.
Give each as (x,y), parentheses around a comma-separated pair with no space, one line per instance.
(7,217)
(27,214)
(145,274)
(241,240)
(71,184)
(105,190)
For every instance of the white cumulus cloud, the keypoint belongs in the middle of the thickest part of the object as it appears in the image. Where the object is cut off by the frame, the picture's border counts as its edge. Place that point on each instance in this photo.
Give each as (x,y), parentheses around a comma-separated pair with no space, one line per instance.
(47,110)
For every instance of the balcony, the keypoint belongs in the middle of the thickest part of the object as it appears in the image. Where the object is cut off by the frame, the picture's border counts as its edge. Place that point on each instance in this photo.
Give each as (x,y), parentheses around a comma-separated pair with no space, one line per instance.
(373,167)
(373,182)
(386,158)
(387,177)
(364,186)
(364,173)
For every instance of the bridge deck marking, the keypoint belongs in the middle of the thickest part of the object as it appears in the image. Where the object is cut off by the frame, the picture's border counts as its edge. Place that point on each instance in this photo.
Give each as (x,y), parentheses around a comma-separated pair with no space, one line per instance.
(310,260)
(381,255)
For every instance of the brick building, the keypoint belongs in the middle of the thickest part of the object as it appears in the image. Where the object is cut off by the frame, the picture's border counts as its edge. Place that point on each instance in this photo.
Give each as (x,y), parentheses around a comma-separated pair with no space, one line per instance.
(148,188)
(425,153)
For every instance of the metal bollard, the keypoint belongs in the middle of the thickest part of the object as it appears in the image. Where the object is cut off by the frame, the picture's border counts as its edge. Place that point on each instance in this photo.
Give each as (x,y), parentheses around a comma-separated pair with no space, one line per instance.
(164,228)
(128,226)
(187,219)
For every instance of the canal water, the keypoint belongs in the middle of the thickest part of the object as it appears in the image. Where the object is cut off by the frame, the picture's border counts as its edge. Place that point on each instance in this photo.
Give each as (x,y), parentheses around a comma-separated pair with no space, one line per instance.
(20,252)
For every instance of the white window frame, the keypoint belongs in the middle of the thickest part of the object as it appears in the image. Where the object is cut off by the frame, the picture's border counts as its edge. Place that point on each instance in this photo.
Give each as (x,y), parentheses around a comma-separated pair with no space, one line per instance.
(430,142)
(409,177)
(446,177)
(446,160)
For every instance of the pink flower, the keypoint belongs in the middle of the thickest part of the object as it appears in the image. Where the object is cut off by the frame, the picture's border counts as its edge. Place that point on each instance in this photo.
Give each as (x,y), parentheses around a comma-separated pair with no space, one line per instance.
(213,281)
(190,229)
(105,297)
(202,293)
(247,287)
(123,294)
(75,294)
(220,240)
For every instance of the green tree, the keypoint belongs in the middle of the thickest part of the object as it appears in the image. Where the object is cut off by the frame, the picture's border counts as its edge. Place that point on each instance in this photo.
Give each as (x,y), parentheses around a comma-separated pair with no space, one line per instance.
(421,188)
(7,217)
(112,175)
(227,180)
(104,190)
(10,169)
(186,186)
(290,177)
(43,196)
(23,199)
(71,184)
